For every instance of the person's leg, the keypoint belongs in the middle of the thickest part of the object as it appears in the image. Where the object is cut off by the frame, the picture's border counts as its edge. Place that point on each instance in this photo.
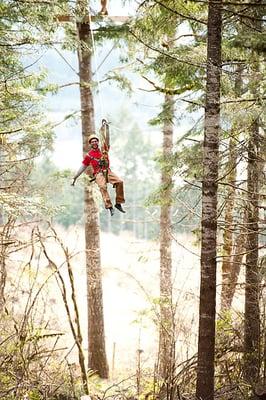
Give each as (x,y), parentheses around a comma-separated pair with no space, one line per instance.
(101,182)
(104,4)
(118,184)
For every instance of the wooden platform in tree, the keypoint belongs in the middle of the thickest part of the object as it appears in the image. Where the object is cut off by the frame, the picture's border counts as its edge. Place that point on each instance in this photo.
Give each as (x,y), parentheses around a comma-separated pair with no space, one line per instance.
(94,18)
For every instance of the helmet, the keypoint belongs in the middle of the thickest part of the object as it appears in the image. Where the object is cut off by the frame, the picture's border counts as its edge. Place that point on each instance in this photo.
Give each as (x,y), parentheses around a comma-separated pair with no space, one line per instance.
(93,137)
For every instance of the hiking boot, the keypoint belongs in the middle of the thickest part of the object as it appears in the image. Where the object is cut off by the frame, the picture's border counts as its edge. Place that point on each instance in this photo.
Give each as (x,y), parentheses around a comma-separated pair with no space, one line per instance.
(119,207)
(112,211)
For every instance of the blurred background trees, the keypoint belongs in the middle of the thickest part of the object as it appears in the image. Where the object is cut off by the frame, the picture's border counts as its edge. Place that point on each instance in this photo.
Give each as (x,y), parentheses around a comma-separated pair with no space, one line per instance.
(164,48)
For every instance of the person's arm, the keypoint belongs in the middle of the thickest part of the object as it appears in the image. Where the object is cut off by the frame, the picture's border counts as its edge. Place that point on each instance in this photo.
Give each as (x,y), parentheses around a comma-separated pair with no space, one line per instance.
(105,134)
(79,172)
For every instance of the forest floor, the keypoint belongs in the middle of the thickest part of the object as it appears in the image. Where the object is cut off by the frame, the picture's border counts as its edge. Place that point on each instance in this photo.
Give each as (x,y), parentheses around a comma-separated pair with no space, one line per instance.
(130,293)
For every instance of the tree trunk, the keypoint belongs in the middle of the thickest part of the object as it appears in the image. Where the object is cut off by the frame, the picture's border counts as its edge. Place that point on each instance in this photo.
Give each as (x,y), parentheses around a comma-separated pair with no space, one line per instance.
(227,265)
(167,325)
(97,360)
(236,261)
(3,274)
(252,312)
(207,309)
(2,245)
(232,262)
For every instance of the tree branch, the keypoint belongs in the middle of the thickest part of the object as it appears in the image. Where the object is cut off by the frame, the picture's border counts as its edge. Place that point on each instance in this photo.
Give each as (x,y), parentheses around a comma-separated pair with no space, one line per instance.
(179,14)
(170,91)
(164,53)
(242,100)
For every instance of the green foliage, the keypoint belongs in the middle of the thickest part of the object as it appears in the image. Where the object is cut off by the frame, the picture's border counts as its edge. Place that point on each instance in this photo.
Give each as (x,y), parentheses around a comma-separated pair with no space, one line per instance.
(166,115)
(24,131)
(229,349)
(65,203)
(30,366)
(121,80)
(188,161)
(34,395)
(176,65)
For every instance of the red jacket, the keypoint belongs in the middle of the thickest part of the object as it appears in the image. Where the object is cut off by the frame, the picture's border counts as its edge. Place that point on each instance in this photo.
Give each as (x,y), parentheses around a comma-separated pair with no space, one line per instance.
(91,159)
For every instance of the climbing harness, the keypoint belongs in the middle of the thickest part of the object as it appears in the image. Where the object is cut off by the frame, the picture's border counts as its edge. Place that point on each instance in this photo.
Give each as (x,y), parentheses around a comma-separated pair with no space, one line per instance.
(103,162)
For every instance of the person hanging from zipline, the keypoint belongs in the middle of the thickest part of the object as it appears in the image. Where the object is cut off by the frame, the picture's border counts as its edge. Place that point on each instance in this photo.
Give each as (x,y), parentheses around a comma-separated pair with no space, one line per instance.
(98,159)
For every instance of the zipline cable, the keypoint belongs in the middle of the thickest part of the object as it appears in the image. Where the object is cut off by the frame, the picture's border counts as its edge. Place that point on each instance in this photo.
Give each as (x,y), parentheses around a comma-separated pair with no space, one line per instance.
(96,63)
(107,55)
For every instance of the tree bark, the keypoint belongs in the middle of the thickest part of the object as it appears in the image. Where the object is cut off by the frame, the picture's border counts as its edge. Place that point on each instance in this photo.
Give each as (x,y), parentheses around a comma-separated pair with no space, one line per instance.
(252,312)
(227,265)
(97,360)
(3,273)
(236,262)
(234,245)
(207,308)
(167,323)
